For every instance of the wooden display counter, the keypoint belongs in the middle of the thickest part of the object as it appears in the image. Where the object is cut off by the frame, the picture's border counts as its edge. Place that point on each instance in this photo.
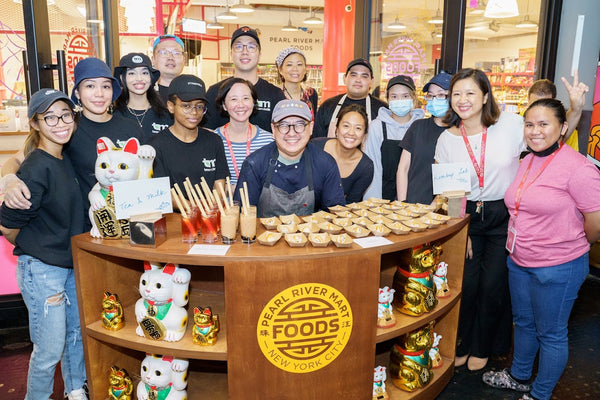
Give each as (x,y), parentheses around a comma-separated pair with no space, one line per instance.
(316,306)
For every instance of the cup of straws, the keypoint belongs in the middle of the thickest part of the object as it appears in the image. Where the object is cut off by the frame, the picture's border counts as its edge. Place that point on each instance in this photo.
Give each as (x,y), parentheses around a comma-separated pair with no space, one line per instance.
(247,217)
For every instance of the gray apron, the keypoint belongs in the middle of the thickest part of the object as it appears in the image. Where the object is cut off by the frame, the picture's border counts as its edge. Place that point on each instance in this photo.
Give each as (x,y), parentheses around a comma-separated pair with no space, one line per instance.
(274,201)
(333,121)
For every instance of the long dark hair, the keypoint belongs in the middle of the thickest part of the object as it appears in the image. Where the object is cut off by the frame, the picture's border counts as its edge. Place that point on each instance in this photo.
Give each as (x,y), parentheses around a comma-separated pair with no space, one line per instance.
(156,103)
(490,111)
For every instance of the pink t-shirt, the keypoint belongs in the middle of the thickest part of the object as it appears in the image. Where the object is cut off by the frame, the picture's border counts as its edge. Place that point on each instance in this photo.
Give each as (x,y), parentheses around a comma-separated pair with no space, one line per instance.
(549,223)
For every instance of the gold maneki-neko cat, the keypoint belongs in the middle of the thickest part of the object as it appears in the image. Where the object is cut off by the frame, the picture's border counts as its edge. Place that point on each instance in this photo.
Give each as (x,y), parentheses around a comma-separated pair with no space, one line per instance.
(410,364)
(415,289)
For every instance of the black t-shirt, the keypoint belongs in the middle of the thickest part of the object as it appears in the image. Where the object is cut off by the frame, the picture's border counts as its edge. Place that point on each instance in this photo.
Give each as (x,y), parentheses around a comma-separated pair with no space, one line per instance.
(323,117)
(204,157)
(82,146)
(163,92)
(268,95)
(420,141)
(56,211)
(152,123)
(356,184)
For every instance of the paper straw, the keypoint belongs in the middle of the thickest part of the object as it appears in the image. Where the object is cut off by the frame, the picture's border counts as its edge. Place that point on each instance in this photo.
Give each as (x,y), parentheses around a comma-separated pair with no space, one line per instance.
(187,208)
(189,194)
(222,191)
(218,202)
(202,199)
(243,199)
(246,194)
(207,192)
(181,209)
(189,188)
(229,191)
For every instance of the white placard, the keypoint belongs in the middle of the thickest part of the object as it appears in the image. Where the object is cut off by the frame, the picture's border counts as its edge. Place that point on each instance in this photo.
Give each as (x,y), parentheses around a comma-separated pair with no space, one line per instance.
(372,241)
(209,249)
(142,196)
(577,44)
(450,177)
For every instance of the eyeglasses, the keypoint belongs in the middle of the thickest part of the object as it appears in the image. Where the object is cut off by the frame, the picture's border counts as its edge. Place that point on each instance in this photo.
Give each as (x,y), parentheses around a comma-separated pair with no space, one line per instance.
(52,120)
(299,127)
(188,108)
(239,47)
(440,96)
(172,53)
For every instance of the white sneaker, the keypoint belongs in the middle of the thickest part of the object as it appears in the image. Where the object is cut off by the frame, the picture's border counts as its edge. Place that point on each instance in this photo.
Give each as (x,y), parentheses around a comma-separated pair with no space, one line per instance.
(78,394)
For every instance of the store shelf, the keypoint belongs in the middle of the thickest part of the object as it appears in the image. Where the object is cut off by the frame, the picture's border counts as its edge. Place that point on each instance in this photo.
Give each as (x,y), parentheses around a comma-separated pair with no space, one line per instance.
(237,286)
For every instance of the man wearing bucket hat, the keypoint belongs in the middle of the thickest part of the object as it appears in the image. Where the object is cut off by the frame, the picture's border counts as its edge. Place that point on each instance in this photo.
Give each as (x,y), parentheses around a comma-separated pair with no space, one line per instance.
(94,91)
(291,175)
(358,81)
(413,180)
(245,54)
(138,100)
(168,56)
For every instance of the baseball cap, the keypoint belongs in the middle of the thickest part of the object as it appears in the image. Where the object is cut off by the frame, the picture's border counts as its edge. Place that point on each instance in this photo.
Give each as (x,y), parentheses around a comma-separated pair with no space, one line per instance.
(162,38)
(245,31)
(188,87)
(283,54)
(442,80)
(91,68)
(401,80)
(134,60)
(41,101)
(359,61)
(288,108)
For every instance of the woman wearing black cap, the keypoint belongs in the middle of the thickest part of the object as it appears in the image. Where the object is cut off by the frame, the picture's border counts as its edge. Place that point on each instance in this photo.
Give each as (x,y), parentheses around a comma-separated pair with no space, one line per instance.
(138,100)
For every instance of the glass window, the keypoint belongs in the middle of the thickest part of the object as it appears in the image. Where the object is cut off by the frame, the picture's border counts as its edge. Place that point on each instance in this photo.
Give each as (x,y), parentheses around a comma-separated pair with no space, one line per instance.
(405,40)
(505,48)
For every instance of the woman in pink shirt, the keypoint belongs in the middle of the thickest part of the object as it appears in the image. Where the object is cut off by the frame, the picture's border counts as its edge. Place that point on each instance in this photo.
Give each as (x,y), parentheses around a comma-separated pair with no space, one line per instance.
(554,206)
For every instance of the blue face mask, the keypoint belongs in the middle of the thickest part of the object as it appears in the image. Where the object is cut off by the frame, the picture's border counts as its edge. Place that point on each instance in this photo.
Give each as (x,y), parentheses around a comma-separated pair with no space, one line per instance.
(401,107)
(437,107)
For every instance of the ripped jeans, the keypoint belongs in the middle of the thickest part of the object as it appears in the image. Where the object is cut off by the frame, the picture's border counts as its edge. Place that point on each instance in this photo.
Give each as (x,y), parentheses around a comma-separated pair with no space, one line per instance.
(51,300)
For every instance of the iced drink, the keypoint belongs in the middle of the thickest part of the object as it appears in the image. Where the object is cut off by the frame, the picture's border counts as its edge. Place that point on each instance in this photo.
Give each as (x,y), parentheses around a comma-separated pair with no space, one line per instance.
(229,223)
(210,226)
(189,233)
(248,225)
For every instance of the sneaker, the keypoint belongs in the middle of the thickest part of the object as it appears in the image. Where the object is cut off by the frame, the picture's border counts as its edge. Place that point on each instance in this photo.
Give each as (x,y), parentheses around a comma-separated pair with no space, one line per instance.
(503,380)
(78,394)
(528,396)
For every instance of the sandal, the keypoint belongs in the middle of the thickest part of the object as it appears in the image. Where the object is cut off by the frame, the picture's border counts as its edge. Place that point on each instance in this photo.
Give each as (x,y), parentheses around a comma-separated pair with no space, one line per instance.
(503,380)
(527,396)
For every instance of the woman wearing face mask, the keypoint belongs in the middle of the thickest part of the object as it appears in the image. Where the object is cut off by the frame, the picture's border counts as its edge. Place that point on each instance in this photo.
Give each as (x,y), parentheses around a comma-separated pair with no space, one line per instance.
(413,180)
(386,132)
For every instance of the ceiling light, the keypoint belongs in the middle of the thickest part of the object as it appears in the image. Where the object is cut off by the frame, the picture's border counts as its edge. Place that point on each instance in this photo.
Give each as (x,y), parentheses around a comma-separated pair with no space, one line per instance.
(242,8)
(501,9)
(289,27)
(526,23)
(312,20)
(214,24)
(396,25)
(494,26)
(227,15)
(437,18)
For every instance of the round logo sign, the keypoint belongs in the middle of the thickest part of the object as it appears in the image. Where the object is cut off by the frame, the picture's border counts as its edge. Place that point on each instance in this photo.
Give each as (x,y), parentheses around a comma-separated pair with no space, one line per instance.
(305,327)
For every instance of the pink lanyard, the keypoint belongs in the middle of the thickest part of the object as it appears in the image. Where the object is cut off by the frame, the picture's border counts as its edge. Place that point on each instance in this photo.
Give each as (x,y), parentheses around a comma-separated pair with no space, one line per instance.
(522,187)
(230,147)
(478,170)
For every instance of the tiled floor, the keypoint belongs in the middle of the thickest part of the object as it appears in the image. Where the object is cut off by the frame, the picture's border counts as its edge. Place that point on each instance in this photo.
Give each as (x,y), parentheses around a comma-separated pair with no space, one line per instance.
(581,379)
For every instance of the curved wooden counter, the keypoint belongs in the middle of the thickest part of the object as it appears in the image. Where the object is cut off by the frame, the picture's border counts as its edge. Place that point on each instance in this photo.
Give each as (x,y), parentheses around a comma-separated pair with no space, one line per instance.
(237,286)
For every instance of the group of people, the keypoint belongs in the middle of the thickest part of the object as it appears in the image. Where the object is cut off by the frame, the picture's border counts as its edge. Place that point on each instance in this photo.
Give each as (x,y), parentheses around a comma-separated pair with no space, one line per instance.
(298,157)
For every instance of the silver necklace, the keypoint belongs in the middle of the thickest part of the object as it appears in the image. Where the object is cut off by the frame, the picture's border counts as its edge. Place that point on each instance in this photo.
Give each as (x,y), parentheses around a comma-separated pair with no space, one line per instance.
(137,116)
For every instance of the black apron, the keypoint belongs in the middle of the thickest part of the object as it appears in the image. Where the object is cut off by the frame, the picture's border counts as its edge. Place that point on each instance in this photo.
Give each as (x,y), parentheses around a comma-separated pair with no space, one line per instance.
(390,158)
(274,201)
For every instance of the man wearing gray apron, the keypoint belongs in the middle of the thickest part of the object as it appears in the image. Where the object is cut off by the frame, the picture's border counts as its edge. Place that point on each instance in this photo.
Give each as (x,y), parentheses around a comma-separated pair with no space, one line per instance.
(291,175)
(358,81)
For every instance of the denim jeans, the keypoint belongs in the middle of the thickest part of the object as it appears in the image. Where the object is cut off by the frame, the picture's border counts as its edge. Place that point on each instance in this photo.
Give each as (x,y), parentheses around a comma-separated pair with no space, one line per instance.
(542,299)
(53,326)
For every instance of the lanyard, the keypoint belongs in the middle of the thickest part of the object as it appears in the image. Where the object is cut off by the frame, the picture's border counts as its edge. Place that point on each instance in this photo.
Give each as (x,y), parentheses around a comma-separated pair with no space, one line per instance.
(479,170)
(230,147)
(522,187)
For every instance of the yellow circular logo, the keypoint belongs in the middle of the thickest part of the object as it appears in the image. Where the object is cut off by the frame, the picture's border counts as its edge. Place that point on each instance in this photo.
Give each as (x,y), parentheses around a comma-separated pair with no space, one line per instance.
(304,327)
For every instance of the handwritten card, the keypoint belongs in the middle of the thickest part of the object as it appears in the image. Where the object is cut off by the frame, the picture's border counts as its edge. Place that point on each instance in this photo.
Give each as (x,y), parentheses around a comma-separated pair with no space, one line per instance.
(142,196)
(449,177)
